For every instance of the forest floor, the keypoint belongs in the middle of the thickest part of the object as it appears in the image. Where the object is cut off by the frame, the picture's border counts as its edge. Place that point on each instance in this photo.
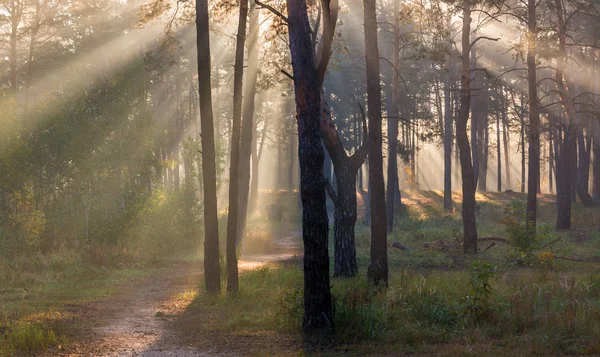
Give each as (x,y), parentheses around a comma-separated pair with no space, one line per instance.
(140,320)
(431,308)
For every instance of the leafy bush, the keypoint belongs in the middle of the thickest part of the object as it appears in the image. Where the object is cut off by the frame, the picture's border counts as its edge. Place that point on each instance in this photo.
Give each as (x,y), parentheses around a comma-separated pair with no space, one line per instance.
(477,303)
(524,241)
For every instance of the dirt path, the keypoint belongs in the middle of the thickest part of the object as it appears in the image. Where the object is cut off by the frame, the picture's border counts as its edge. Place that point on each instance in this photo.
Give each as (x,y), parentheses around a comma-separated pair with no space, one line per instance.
(132,323)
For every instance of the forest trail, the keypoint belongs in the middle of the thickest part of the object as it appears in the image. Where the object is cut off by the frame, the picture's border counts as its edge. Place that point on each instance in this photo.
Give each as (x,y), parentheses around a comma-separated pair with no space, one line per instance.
(133,323)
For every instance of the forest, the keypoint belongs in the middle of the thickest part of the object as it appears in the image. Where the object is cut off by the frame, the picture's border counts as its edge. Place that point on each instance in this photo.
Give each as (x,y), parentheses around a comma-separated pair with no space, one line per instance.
(299,178)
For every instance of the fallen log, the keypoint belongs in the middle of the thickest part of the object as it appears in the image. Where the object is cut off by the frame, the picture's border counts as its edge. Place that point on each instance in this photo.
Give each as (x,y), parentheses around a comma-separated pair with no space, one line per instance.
(400,246)
(578,259)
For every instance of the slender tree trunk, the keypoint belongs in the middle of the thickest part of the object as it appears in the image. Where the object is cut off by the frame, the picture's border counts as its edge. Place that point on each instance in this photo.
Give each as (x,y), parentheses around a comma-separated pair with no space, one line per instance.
(378,267)
(467,171)
(248,135)
(499,153)
(256,156)
(318,313)
(474,105)
(212,274)
(232,217)
(505,136)
(551,159)
(392,168)
(448,137)
(596,173)
(522,117)
(534,118)
(32,40)
(583,170)
(483,149)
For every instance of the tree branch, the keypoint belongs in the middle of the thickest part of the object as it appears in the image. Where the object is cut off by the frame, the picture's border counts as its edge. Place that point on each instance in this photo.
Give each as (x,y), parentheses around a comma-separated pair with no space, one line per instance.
(262,5)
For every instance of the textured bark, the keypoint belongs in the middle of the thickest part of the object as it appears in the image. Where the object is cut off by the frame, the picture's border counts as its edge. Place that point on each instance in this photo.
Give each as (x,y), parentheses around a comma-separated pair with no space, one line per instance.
(392,169)
(467,172)
(378,267)
(344,199)
(248,135)
(534,118)
(212,274)
(318,313)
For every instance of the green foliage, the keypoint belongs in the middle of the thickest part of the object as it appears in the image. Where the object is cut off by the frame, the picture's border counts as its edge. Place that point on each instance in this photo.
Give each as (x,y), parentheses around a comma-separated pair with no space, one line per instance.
(477,302)
(524,242)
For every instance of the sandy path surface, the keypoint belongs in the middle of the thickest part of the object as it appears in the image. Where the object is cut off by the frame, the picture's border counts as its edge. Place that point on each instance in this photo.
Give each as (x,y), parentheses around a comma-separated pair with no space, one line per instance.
(132,323)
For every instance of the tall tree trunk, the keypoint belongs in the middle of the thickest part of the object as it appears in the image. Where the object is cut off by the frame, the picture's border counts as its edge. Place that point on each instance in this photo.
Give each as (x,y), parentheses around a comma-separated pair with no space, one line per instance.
(483,141)
(506,139)
(318,313)
(248,135)
(564,185)
(534,118)
(256,156)
(499,153)
(378,267)
(232,217)
(583,170)
(212,274)
(448,137)
(522,118)
(468,174)
(596,172)
(551,158)
(475,115)
(392,168)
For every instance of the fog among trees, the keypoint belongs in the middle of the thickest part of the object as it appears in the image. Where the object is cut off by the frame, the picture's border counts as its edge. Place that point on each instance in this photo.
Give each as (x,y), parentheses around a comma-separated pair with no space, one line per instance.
(299,177)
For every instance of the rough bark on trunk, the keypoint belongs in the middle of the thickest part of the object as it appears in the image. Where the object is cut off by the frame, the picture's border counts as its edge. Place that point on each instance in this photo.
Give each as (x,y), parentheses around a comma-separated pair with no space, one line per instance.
(344,197)
(318,313)
(212,274)
(534,118)
(392,168)
(468,174)
(378,267)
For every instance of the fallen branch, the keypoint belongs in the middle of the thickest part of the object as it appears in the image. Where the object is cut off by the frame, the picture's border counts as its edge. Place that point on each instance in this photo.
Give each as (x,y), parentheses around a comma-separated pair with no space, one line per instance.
(489,246)
(548,244)
(494,239)
(578,259)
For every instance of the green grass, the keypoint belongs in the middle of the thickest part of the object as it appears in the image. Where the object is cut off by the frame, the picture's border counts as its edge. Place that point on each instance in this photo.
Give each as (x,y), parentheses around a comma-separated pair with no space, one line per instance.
(549,307)
(36,288)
